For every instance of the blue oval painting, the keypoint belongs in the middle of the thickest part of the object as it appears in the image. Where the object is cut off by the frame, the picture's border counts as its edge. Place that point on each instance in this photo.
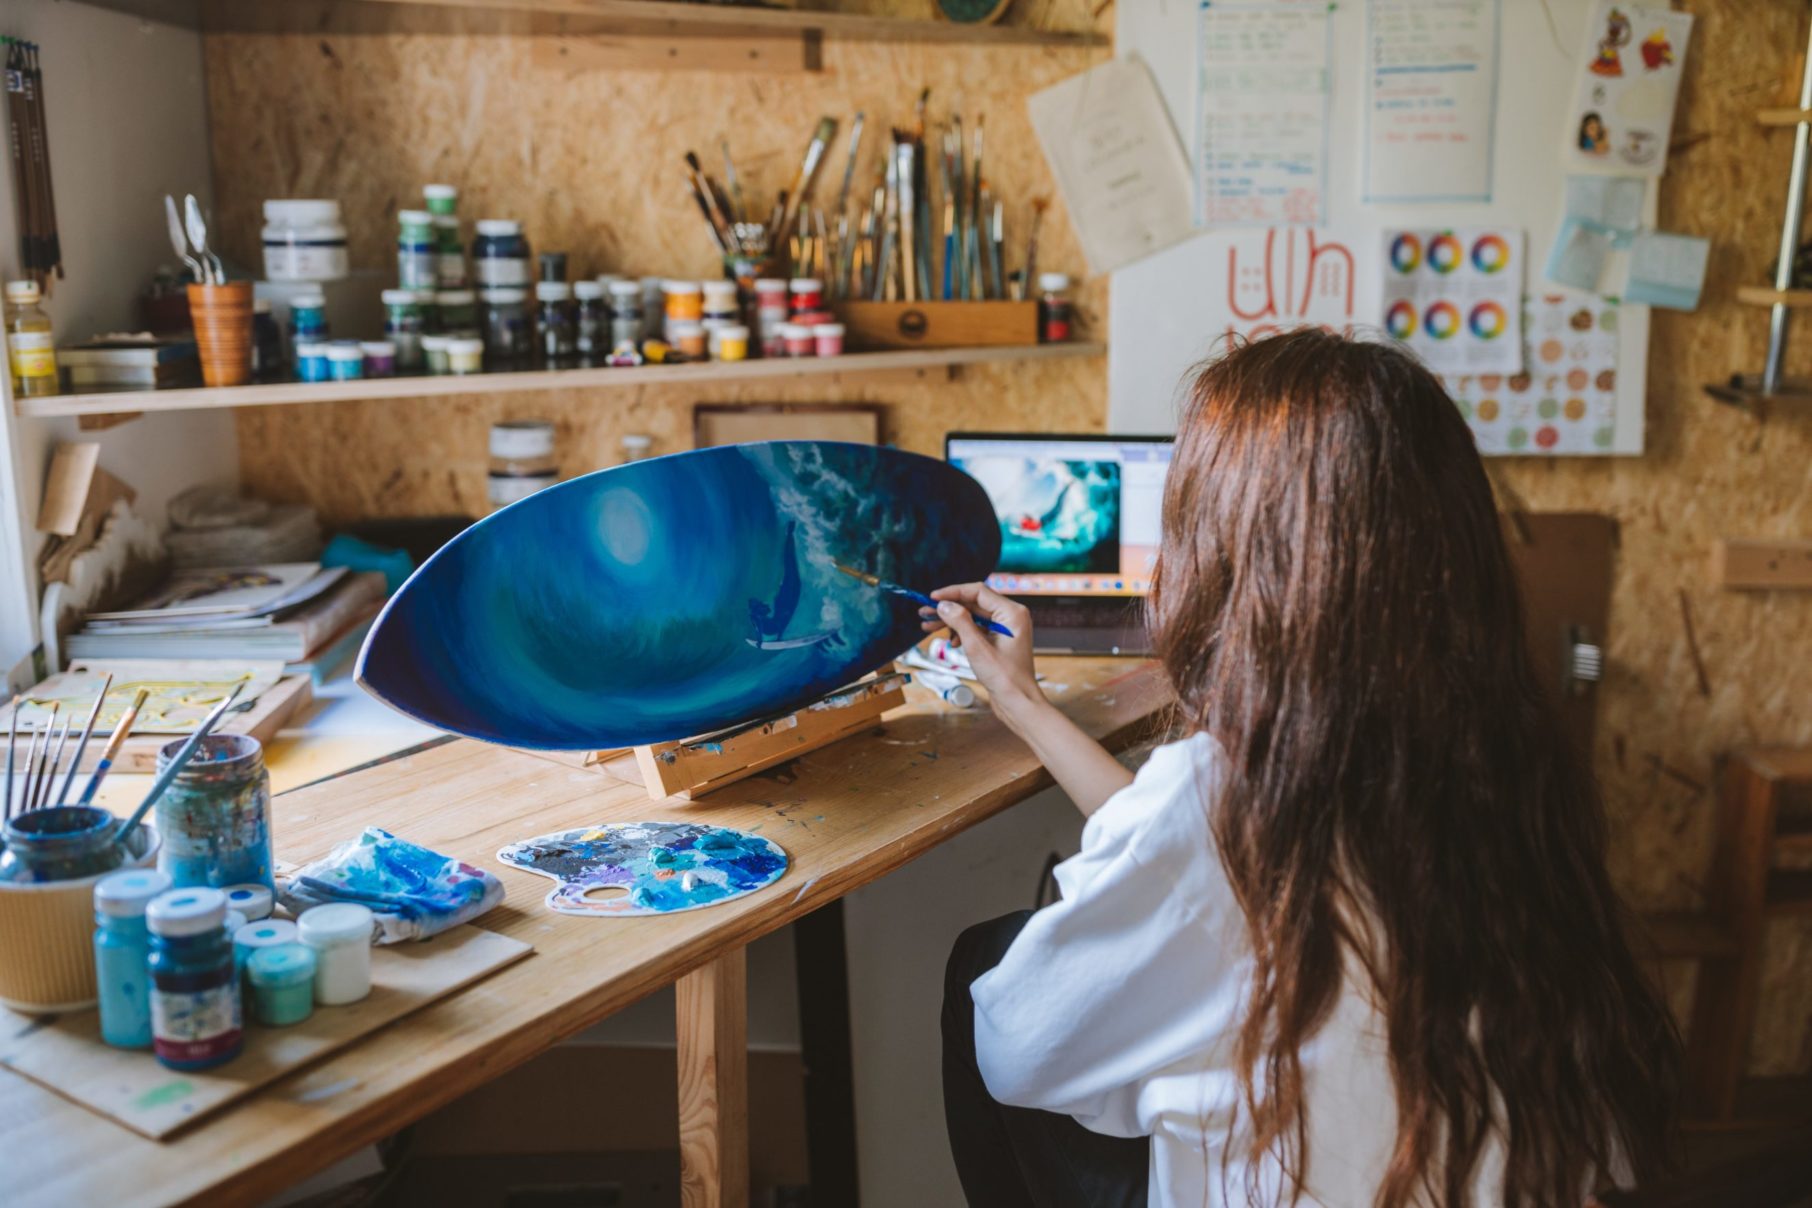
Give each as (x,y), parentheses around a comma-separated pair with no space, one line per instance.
(671,597)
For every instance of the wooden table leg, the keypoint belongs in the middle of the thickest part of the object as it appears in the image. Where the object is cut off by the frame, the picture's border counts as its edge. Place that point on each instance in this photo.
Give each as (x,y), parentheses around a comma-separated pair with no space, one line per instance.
(713,1028)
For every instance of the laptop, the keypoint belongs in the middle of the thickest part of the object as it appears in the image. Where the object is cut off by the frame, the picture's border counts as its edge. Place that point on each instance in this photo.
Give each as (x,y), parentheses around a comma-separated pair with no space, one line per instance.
(1079,523)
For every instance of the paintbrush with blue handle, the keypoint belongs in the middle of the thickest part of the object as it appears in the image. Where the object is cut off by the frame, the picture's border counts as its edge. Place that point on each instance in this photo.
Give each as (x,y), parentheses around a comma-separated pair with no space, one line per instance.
(991,626)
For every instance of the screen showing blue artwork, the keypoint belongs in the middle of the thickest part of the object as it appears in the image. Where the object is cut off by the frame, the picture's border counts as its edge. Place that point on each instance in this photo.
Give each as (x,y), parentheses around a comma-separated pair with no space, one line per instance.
(676,596)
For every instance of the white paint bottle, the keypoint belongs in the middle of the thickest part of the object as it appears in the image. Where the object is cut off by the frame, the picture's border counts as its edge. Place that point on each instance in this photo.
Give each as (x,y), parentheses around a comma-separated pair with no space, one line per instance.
(340,934)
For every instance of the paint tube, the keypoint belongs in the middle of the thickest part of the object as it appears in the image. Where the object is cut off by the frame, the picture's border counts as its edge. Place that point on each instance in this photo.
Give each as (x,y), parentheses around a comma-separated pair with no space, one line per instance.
(948,688)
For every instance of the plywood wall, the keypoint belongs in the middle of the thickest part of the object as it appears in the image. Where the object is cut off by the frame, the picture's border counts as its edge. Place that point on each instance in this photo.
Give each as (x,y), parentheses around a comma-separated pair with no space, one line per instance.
(591,163)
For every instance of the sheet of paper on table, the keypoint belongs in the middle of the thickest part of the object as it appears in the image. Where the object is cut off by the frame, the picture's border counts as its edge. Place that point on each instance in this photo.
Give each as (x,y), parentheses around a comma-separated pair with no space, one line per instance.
(1430,100)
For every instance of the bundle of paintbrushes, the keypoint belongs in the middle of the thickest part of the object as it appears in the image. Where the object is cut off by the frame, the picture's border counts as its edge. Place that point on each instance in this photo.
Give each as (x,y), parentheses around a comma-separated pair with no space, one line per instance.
(750,247)
(31,787)
(40,250)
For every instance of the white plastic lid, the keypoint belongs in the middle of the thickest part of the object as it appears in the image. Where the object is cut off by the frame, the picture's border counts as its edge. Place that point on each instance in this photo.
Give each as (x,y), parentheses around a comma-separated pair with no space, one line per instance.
(552,291)
(310,299)
(235,919)
(441,192)
(344,352)
(400,297)
(415,218)
(254,901)
(827,329)
(733,331)
(302,211)
(636,440)
(679,328)
(464,344)
(794,331)
(265,933)
(378,348)
(22,291)
(681,287)
(770,285)
(186,912)
(720,288)
(498,226)
(624,289)
(334,924)
(503,295)
(124,895)
(1053,283)
(440,342)
(522,440)
(805,285)
(313,348)
(455,297)
(588,291)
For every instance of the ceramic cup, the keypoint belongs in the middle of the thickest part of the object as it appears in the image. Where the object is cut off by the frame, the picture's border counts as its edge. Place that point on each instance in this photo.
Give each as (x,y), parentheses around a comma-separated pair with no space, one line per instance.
(222,315)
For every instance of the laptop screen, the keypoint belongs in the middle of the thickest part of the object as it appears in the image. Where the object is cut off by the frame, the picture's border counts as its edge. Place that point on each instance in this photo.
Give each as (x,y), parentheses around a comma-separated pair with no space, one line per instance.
(1079,515)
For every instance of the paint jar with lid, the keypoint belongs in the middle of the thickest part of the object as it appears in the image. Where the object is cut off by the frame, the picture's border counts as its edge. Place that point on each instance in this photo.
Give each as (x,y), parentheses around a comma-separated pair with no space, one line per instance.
(434,355)
(805,294)
(458,311)
(636,446)
(442,201)
(215,816)
(265,933)
(509,330)
(307,318)
(827,339)
(304,240)
(500,254)
(449,253)
(417,253)
(196,1021)
(552,267)
(403,326)
(522,460)
(688,336)
(770,295)
(557,322)
(253,900)
(122,950)
(797,339)
(282,982)
(730,342)
(1054,309)
(721,301)
(340,933)
(345,361)
(465,354)
(380,358)
(625,313)
(681,301)
(591,322)
(311,361)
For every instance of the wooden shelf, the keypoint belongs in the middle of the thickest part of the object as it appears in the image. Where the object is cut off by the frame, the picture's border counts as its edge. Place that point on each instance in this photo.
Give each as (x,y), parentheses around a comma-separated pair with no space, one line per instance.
(1762,295)
(282,393)
(1783,117)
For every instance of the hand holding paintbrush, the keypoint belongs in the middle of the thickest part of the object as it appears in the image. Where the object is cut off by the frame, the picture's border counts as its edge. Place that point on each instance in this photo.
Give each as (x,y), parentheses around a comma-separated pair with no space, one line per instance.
(918,597)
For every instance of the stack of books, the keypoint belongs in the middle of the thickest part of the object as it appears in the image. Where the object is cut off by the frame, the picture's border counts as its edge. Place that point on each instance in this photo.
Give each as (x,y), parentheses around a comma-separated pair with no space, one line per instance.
(313,618)
(131,362)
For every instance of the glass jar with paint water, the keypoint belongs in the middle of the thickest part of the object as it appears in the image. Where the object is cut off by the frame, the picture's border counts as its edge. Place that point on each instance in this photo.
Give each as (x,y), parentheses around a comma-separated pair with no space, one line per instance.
(340,934)
(196,1020)
(417,252)
(591,326)
(61,843)
(282,981)
(625,314)
(557,322)
(509,332)
(500,254)
(403,327)
(215,816)
(122,954)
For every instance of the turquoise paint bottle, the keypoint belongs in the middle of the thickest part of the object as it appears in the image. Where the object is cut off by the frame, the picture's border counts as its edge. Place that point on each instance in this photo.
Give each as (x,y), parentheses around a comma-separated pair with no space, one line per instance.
(122,948)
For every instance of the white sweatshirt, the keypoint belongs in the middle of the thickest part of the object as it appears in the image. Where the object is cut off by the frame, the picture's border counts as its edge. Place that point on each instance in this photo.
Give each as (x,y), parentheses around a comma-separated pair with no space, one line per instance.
(1120,1005)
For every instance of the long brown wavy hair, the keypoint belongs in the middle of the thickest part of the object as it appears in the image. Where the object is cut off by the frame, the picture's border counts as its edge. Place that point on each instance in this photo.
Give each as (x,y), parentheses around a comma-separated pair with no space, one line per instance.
(1335,605)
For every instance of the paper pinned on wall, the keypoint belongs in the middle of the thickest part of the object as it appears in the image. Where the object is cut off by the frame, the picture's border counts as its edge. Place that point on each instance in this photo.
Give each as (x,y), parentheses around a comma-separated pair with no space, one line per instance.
(1629,78)
(1430,100)
(1566,400)
(1580,252)
(1611,204)
(1118,162)
(1455,296)
(1667,270)
(1261,127)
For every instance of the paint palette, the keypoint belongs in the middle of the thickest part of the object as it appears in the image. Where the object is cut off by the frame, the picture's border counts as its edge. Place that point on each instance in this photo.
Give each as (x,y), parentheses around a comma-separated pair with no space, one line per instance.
(676,596)
(643,868)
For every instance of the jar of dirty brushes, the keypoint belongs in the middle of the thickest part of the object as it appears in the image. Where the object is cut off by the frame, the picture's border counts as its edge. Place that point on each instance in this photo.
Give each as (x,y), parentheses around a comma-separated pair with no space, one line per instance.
(500,254)
(32,347)
(215,816)
(196,1020)
(62,843)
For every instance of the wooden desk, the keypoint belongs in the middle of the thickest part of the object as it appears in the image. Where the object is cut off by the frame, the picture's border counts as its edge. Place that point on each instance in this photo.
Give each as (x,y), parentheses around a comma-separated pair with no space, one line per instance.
(846,815)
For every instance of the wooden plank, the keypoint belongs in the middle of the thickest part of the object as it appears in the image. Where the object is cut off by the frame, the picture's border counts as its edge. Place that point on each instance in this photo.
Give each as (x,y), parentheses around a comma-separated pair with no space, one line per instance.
(846,815)
(66,1054)
(1762,563)
(711,1008)
(277,394)
(1761,295)
(576,54)
(940,324)
(1783,116)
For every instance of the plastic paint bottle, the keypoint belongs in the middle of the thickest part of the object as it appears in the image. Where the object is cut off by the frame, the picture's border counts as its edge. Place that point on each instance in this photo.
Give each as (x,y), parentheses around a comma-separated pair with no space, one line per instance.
(806,294)
(28,338)
(417,250)
(311,361)
(500,254)
(380,358)
(730,343)
(403,326)
(1054,309)
(828,338)
(265,933)
(465,354)
(625,313)
(196,1022)
(122,948)
(283,984)
(307,319)
(345,361)
(591,335)
(340,934)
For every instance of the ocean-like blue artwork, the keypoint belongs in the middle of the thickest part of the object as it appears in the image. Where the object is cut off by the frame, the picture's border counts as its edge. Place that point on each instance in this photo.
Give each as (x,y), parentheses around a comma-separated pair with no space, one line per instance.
(668,598)
(630,868)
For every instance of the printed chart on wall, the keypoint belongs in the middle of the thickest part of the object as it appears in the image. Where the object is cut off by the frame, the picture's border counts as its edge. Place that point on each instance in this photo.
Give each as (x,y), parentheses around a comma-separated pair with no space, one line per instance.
(1262,120)
(1455,297)
(1623,110)
(1430,100)
(1565,402)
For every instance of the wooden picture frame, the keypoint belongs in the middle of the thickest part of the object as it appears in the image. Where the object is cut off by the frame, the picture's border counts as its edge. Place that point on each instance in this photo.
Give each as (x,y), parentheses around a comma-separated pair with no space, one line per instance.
(738,423)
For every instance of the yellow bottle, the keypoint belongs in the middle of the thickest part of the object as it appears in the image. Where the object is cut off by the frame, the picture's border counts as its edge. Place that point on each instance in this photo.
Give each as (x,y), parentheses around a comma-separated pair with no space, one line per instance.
(28,339)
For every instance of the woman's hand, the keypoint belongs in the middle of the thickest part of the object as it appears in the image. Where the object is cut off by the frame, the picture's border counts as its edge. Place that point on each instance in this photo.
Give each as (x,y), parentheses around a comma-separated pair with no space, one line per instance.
(1002,664)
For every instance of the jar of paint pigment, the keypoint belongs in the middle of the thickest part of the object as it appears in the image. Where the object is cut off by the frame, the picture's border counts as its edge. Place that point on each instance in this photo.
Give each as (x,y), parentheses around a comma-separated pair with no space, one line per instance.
(730,343)
(797,338)
(122,951)
(556,322)
(307,318)
(805,294)
(688,337)
(345,361)
(215,816)
(417,252)
(509,331)
(304,240)
(449,251)
(340,934)
(721,301)
(682,302)
(282,981)
(770,296)
(442,200)
(62,843)
(465,355)
(252,900)
(196,1020)
(311,361)
(1054,310)
(458,311)
(827,339)
(522,460)
(434,355)
(636,446)
(403,326)
(625,313)
(500,254)
(380,358)
(250,939)
(591,326)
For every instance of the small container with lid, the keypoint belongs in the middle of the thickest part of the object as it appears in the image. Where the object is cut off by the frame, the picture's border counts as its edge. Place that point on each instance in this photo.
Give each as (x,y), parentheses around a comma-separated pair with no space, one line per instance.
(345,361)
(434,355)
(458,311)
(265,933)
(30,345)
(591,327)
(442,200)
(509,331)
(827,339)
(682,301)
(797,338)
(721,301)
(380,358)
(557,322)
(417,250)
(196,1022)
(282,981)
(552,266)
(805,294)
(500,254)
(122,950)
(304,240)
(730,343)
(636,446)
(770,296)
(522,460)
(688,336)
(403,326)
(449,253)
(311,361)
(253,900)
(307,318)
(465,354)
(1054,309)
(340,934)
(625,313)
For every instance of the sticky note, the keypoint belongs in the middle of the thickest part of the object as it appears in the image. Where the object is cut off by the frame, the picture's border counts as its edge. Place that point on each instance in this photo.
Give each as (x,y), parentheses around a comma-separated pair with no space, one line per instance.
(1667,270)
(1578,255)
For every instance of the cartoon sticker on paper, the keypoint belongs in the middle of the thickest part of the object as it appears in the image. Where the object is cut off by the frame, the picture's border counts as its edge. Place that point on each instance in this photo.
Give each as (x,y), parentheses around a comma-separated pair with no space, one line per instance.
(1623,110)
(642,868)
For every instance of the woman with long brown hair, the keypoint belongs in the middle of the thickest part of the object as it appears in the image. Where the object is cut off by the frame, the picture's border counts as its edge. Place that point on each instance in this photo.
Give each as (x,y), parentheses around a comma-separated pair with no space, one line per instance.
(1351,940)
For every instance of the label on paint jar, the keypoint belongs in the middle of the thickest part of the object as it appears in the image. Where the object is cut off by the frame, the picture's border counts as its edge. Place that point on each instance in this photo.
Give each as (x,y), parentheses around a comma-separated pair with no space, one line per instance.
(499,271)
(196,1025)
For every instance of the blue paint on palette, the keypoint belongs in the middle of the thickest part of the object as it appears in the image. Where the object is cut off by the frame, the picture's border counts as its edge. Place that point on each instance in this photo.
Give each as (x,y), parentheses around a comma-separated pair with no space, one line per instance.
(632,868)
(671,597)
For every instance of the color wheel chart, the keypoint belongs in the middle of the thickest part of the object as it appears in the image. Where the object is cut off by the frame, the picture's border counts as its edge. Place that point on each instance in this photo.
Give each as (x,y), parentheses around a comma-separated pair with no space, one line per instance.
(1566,399)
(1454,297)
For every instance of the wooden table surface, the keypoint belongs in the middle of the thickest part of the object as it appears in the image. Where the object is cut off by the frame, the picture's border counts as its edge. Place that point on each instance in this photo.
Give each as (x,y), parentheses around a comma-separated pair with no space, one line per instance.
(846,815)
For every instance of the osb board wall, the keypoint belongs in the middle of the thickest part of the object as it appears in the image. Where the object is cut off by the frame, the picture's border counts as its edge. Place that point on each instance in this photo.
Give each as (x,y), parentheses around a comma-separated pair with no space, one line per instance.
(591,164)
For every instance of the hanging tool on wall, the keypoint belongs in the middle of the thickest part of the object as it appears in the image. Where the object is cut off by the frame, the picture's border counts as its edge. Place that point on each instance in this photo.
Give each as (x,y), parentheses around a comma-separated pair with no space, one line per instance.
(40,252)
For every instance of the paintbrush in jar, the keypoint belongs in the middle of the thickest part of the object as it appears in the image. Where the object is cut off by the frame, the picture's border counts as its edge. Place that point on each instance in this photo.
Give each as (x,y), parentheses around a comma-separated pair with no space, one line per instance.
(31,767)
(52,764)
(34,786)
(706,194)
(801,191)
(75,760)
(996,231)
(121,730)
(904,164)
(738,213)
(1028,274)
(12,751)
